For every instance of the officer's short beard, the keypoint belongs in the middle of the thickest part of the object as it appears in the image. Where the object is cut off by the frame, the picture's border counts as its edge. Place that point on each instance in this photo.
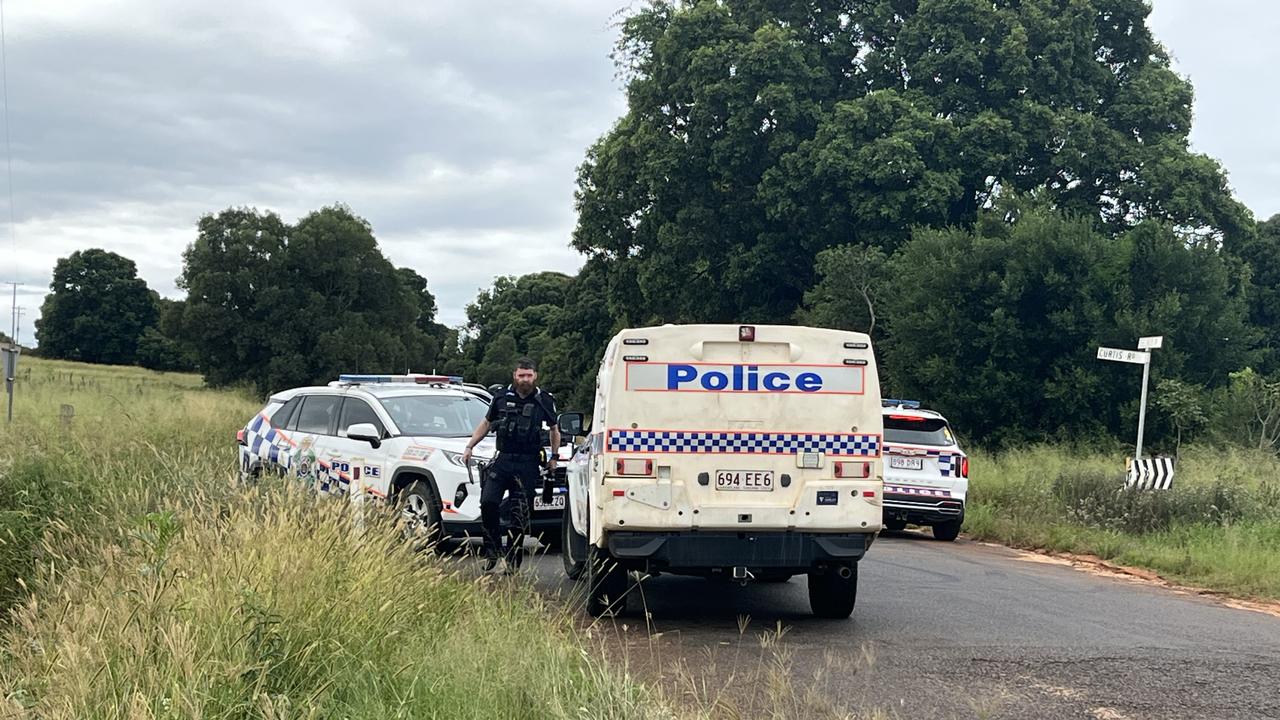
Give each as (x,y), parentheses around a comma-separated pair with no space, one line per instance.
(524,388)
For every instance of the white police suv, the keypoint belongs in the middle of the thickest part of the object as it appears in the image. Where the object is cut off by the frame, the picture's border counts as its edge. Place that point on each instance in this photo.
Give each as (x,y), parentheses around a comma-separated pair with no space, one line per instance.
(926,474)
(397,438)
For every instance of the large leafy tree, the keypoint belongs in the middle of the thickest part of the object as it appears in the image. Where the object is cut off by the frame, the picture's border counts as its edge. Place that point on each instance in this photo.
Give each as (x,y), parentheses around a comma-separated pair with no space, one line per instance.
(280,305)
(96,309)
(999,326)
(513,318)
(759,133)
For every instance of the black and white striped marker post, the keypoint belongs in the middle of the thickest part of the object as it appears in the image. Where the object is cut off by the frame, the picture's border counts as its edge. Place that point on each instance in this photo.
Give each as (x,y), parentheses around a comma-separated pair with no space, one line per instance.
(1149,473)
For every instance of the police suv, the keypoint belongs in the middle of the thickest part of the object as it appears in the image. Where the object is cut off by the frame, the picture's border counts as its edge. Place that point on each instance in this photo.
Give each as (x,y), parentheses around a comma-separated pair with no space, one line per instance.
(397,438)
(926,474)
(739,452)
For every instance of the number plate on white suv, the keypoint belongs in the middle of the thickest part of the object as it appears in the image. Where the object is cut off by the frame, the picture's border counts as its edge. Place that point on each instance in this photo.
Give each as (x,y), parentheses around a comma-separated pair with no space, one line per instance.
(753,480)
(906,463)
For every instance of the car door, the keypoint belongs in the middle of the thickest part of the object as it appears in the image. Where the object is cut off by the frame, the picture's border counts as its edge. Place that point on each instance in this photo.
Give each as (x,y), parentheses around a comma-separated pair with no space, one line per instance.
(313,424)
(355,464)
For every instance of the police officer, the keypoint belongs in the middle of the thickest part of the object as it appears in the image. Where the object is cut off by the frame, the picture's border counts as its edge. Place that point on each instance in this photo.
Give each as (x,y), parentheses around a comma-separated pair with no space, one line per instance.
(517,414)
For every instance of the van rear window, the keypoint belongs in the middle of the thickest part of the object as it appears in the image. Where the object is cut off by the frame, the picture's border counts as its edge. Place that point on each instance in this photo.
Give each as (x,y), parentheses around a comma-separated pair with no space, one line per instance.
(924,431)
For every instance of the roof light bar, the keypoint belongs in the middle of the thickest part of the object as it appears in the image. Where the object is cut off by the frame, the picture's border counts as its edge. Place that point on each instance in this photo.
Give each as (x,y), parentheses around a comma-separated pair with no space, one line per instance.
(411,378)
(907,404)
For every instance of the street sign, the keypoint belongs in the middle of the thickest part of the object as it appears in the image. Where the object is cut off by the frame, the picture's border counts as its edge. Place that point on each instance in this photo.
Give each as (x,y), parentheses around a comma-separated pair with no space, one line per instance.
(1137,357)
(1154,342)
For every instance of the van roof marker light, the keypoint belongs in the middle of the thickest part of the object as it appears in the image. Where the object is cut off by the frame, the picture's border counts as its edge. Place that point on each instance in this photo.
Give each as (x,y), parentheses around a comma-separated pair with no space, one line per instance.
(746,333)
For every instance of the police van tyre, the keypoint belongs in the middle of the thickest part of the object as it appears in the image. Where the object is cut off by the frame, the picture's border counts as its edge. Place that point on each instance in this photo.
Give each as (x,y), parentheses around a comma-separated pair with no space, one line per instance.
(420,516)
(573,548)
(834,591)
(949,530)
(606,585)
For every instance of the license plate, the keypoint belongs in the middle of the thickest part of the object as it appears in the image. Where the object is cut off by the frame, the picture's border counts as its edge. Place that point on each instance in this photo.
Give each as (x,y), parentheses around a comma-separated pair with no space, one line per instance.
(555,503)
(750,480)
(906,463)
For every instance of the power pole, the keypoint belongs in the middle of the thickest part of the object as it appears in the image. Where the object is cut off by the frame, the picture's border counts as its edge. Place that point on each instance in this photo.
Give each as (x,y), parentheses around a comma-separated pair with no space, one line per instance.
(17,328)
(13,314)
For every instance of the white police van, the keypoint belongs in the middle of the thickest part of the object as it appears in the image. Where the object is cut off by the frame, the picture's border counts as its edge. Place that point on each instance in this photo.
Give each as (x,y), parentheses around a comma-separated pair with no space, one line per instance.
(926,474)
(742,452)
(397,438)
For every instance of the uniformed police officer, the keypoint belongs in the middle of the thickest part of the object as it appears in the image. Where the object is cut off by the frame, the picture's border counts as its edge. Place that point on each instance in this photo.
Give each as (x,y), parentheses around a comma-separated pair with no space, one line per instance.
(517,414)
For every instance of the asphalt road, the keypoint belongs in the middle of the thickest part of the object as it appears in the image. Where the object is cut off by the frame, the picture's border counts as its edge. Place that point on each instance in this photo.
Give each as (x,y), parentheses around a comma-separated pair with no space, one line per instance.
(960,630)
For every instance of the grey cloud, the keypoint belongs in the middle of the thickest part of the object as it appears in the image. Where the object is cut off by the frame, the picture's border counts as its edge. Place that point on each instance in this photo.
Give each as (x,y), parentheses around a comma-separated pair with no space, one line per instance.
(454,128)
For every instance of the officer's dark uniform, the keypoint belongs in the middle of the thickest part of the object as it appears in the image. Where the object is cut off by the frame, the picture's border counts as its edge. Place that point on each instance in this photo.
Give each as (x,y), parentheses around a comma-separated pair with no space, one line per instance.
(518,423)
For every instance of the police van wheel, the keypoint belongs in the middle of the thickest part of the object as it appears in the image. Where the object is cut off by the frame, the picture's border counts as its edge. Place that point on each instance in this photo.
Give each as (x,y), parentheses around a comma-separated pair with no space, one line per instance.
(606,585)
(947,531)
(834,591)
(573,548)
(420,516)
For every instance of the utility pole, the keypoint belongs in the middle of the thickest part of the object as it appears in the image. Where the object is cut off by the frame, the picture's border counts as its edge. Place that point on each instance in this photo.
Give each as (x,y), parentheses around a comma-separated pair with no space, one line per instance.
(17,328)
(13,315)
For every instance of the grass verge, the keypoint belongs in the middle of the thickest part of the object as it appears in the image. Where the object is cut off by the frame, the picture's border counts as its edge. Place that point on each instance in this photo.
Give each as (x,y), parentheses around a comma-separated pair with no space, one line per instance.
(1218,528)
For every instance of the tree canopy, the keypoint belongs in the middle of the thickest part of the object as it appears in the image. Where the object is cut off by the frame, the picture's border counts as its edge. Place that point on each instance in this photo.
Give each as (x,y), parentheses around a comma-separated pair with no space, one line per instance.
(759,133)
(283,305)
(96,309)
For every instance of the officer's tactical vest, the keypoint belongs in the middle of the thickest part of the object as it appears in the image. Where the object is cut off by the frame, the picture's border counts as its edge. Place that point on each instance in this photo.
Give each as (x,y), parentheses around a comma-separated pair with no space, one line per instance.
(518,425)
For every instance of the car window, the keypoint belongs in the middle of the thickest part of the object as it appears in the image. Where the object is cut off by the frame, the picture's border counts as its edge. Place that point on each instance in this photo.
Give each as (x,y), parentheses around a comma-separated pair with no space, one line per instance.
(318,413)
(917,430)
(436,415)
(281,417)
(357,411)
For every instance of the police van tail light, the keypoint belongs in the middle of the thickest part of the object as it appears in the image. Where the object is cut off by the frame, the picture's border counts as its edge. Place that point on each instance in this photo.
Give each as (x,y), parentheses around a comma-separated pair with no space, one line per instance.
(964,468)
(636,467)
(846,470)
(240,437)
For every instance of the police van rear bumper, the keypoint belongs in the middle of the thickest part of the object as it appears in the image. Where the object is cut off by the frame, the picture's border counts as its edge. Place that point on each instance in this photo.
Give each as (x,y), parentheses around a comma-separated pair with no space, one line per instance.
(702,552)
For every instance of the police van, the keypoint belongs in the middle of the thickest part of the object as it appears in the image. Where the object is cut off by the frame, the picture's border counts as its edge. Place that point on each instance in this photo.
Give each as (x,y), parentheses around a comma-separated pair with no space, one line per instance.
(742,452)
(396,438)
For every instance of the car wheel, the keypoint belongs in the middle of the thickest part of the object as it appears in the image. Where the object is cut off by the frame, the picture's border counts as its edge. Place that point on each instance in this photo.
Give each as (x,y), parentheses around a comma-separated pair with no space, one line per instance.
(947,531)
(606,585)
(573,548)
(834,592)
(420,516)
(895,524)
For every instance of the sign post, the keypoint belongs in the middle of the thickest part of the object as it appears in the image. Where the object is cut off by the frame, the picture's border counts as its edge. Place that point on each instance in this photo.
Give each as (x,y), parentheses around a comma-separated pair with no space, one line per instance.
(10,372)
(1141,356)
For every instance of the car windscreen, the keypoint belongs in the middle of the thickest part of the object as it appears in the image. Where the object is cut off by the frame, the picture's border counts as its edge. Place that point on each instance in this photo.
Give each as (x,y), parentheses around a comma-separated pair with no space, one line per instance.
(917,430)
(436,415)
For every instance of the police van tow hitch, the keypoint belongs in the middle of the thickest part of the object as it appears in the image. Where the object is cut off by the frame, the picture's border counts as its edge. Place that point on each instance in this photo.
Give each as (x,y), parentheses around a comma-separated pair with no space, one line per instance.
(742,574)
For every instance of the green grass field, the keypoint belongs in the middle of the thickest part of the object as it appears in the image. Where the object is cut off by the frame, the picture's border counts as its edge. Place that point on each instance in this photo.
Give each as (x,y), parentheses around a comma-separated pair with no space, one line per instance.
(1218,528)
(148,585)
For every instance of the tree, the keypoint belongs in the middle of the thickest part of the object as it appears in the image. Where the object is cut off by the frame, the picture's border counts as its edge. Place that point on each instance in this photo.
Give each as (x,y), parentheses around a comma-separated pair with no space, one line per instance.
(851,279)
(96,310)
(1182,403)
(759,133)
(997,326)
(513,318)
(280,305)
(1261,251)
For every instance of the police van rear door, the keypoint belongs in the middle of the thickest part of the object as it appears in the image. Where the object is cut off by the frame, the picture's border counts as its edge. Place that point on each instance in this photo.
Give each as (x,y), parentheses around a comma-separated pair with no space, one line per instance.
(770,426)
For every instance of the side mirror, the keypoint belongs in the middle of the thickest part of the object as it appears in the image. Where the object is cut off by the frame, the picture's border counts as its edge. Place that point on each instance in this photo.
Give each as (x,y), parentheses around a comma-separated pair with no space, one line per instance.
(366,432)
(570,424)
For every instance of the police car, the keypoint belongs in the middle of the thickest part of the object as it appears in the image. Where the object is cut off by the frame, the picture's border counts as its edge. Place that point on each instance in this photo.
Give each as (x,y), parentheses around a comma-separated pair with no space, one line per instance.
(926,474)
(396,438)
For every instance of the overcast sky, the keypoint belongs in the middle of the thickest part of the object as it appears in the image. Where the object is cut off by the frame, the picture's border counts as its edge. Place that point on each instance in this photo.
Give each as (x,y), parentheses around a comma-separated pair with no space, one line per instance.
(455,132)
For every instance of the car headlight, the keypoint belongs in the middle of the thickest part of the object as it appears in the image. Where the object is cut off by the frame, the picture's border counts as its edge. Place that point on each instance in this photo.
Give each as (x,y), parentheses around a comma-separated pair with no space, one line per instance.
(456,459)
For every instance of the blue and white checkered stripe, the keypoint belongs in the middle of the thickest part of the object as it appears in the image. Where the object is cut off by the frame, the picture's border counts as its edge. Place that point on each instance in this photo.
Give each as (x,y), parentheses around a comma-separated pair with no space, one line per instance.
(737,442)
(268,445)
